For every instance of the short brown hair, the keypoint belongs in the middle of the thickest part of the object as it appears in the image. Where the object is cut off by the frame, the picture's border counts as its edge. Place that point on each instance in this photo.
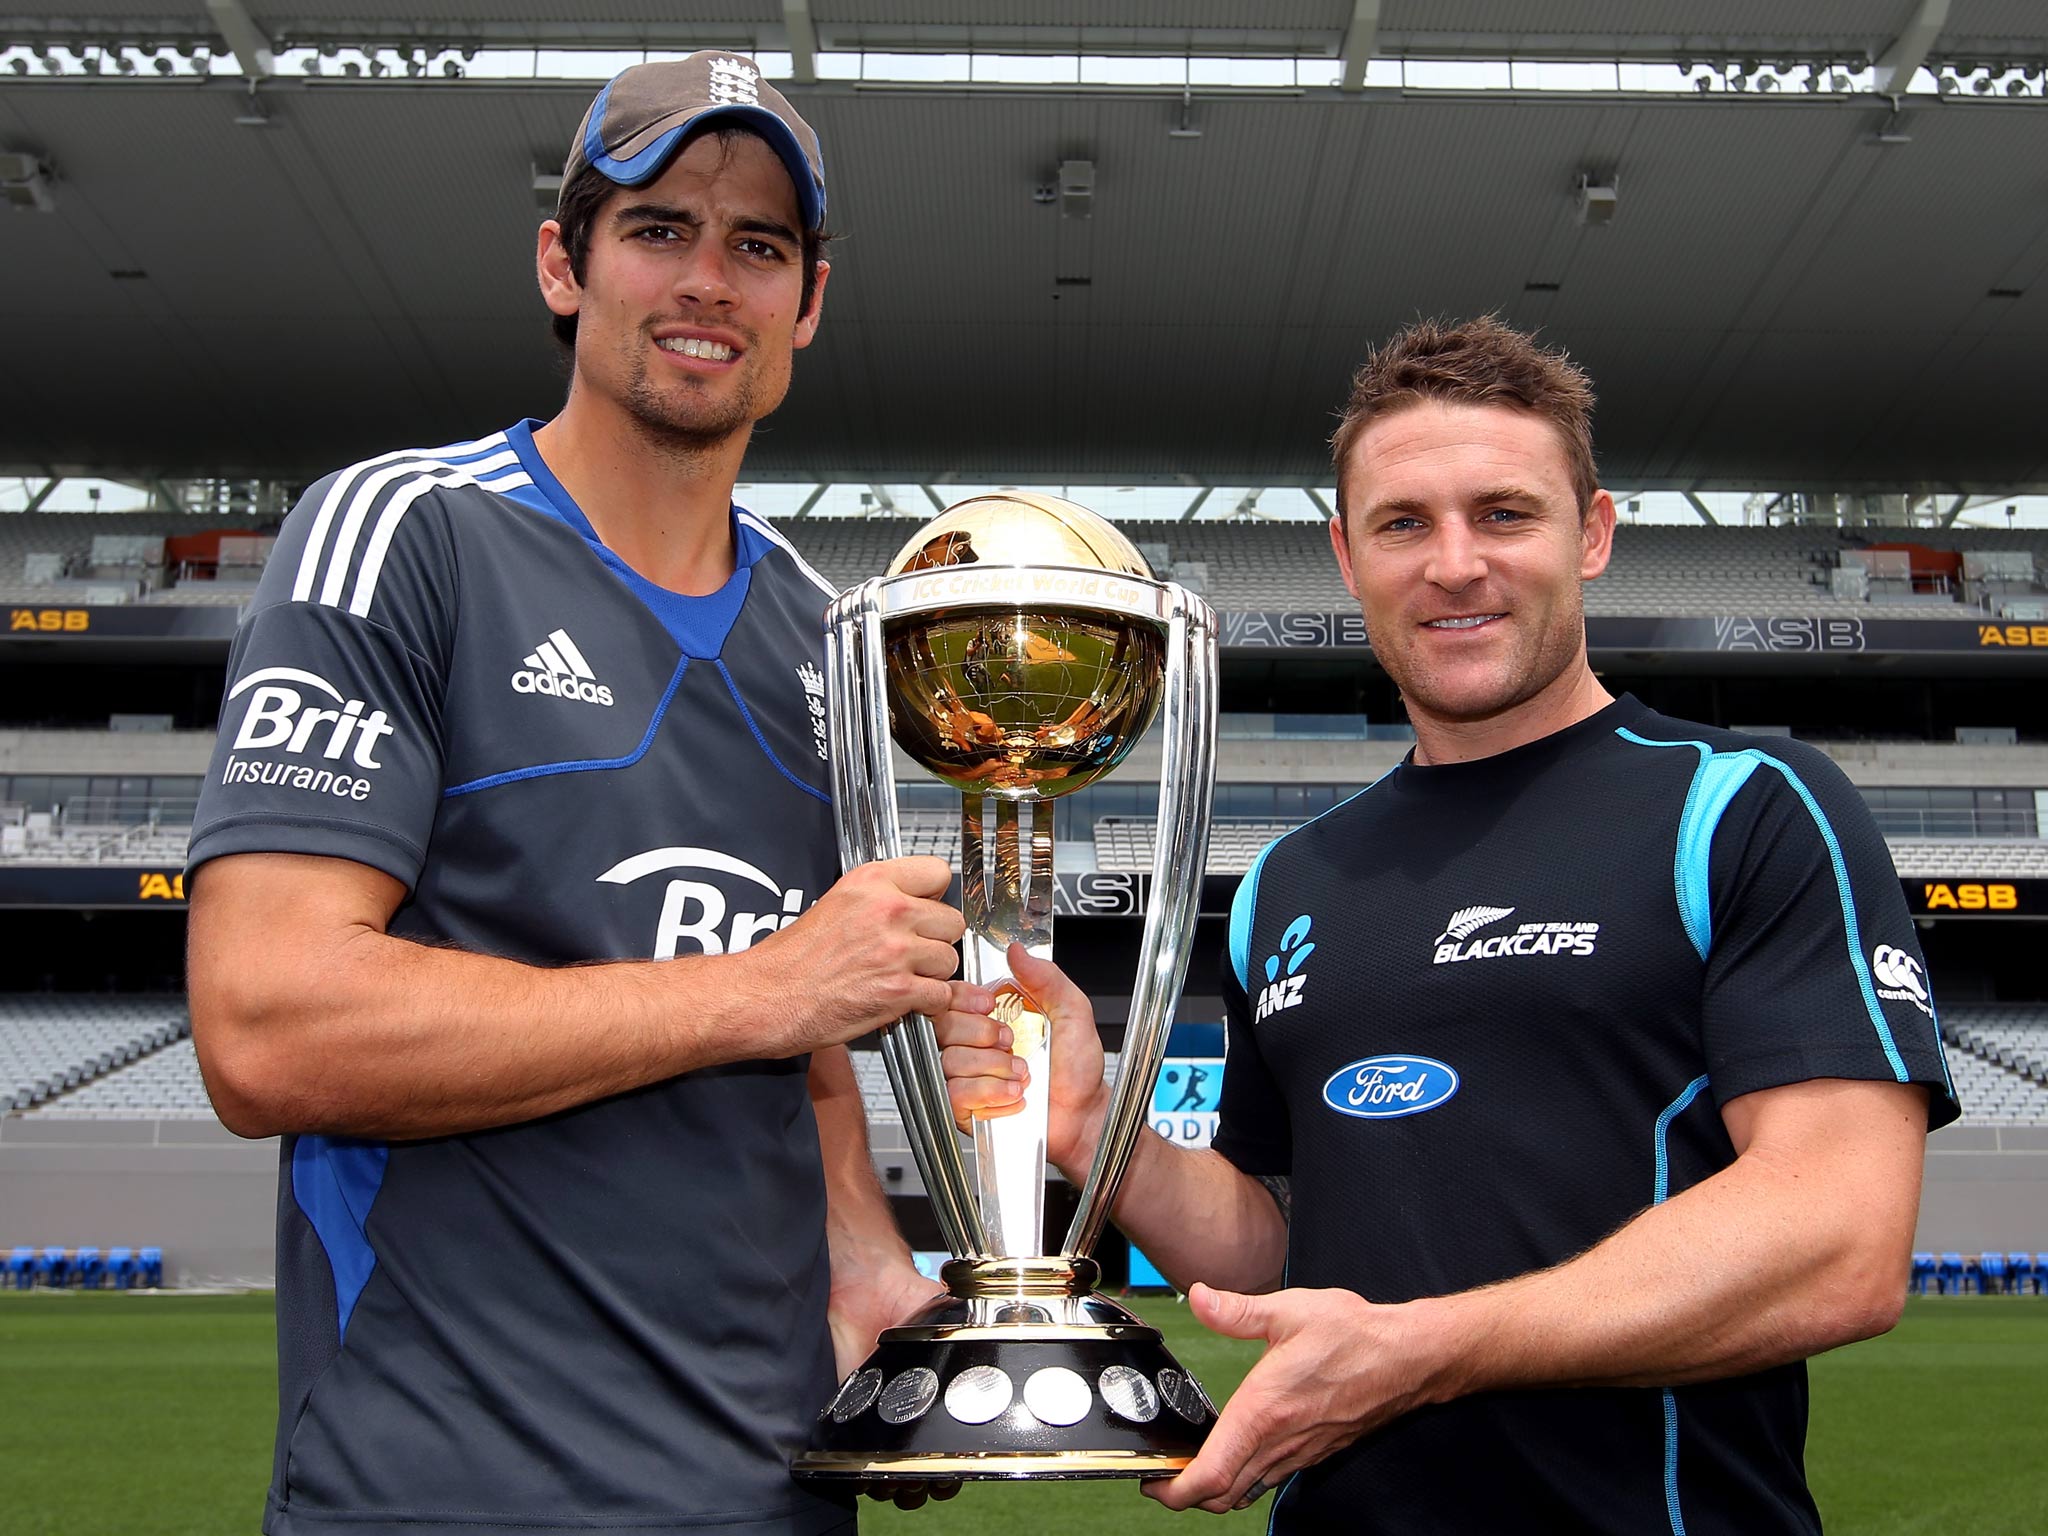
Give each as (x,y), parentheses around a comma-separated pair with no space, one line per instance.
(1476,362)
(584,198)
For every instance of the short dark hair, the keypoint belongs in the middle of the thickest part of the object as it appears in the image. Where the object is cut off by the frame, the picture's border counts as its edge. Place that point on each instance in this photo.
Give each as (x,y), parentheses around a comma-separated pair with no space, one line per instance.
(583,199)
(1476,362)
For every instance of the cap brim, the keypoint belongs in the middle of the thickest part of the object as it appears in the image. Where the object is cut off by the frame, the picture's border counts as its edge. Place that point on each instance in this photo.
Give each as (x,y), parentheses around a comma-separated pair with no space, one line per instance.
(652,159)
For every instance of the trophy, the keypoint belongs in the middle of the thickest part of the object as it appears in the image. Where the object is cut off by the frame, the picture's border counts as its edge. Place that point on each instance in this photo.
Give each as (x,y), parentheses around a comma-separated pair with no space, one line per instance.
(1017,649)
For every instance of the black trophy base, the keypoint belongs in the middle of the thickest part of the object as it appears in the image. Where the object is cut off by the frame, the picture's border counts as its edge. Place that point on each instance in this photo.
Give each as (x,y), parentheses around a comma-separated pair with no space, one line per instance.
(1003,1383)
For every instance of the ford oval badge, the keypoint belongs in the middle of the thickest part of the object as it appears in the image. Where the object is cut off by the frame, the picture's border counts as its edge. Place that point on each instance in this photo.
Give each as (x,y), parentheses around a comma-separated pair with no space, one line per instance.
(1387,1087)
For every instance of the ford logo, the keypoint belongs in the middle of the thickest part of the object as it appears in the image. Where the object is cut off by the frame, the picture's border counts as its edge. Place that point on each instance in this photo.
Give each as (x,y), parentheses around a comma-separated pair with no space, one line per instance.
(1387,1087)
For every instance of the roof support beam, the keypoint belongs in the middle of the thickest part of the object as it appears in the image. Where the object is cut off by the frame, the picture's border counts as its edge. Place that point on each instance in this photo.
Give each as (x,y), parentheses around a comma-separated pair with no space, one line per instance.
(1359,40)
(1908,51)
(1701,508)
(1316,499)
(36,501)
(803,41)
(1195,506)
(932,496)
(1955,510)
(817,495)
(251,46)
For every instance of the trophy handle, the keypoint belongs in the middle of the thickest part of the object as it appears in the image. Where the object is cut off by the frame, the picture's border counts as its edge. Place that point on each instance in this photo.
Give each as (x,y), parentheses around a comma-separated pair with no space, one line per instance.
(1187,783)
(864,812)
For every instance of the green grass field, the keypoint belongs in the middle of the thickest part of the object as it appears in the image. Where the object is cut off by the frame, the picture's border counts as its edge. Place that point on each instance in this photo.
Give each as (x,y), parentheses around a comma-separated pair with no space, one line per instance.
(153,1414)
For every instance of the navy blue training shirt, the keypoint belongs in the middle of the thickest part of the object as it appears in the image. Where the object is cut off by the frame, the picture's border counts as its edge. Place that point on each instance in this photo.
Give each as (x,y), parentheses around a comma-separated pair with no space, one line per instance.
(1484,1013)
(613,1318)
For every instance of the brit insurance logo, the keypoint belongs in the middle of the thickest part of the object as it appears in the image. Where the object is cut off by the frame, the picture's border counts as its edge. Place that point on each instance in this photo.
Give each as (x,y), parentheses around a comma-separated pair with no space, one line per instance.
(1461,940)
(317,746)
(556,669)
(1388,1087)
(713,903)
(1284,991)
(1900,978)
(813,683)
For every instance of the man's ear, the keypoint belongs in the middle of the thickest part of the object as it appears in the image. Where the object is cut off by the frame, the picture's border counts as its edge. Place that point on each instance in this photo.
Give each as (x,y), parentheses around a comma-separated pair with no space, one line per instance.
(1597,532)
(807,323)
(1340,545)
(559,289)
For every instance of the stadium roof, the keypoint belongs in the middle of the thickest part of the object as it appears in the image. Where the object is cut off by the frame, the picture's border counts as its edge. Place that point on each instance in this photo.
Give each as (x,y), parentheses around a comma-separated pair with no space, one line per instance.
(1838,289)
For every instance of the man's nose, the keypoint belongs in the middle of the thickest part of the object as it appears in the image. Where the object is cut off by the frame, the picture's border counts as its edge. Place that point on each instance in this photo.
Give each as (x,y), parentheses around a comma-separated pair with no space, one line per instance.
(1455,558)
(706,276)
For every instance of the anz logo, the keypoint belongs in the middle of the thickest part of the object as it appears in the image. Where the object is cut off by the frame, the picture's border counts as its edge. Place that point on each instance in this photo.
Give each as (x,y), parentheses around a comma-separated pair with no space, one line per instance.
(1285,991)
(697,915)
(1388,1087)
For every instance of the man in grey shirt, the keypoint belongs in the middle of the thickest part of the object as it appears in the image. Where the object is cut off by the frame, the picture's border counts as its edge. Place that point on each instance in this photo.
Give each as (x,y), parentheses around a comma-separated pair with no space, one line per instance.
(566,1237)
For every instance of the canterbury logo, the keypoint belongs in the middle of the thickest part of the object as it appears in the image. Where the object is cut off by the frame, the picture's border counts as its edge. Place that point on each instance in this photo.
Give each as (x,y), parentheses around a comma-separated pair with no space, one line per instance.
(1467,921)
(557,669)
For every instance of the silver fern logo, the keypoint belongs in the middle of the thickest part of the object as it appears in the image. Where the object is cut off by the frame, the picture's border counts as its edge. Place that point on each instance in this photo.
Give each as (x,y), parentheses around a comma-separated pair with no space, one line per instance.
(1461,939)
(1467,921)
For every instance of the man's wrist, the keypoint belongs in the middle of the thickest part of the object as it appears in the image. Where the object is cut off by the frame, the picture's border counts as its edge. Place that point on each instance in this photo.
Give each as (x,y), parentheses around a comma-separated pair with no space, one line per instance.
(1075,1160)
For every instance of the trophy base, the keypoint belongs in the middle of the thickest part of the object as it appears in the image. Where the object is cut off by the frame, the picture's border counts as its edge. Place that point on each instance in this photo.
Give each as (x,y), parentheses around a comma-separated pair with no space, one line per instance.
(1021,1373)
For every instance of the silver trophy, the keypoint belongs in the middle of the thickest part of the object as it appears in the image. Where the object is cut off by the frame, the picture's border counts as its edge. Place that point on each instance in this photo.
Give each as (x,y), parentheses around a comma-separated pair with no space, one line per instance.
(1017,649)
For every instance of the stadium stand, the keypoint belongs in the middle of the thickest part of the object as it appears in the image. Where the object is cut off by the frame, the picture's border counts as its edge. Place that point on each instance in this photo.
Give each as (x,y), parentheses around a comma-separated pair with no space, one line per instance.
(1999,1058)
(164,1085)
(116,557)
(51,1045)
(2011,857)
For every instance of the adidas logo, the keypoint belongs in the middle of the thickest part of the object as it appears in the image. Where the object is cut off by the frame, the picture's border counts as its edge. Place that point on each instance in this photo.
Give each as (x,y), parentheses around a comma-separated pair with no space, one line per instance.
(556,668)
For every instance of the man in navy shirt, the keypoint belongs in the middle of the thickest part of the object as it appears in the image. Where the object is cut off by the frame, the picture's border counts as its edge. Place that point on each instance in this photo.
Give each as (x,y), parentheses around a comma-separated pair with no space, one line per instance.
(1577,1071)
(566,1237)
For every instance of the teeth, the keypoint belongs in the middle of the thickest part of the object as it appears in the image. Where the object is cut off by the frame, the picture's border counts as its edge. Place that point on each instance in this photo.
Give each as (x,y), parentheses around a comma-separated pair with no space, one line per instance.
(692,346)
(1473,622)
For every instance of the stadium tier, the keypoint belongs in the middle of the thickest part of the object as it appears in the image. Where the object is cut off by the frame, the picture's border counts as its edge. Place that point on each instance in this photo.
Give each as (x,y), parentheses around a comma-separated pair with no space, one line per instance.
(1239,564)
(51,1045)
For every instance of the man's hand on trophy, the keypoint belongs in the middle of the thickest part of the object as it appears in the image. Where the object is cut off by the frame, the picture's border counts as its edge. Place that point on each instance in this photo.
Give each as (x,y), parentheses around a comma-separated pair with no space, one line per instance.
(877,945)
(1335,1366)
(984,1081)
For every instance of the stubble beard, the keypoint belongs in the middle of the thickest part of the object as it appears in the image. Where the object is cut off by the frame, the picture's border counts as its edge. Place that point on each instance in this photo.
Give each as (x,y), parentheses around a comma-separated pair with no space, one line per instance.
(682,421)
(1526,674)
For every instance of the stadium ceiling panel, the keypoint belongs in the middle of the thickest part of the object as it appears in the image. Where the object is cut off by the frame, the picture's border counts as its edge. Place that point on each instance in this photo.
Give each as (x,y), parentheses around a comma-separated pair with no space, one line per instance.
(1793,290)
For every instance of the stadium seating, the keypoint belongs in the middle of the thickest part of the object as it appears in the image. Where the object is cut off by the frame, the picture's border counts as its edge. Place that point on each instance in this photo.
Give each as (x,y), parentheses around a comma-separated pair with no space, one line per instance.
(1951,1273)
(53,1266)
(149,1267)
(164,1085)
(1923,1273)
(121,1267)
(2014,858)
(88,1268)
(51,1044)
(21,1268)
(1998,1056)
(1990,1274)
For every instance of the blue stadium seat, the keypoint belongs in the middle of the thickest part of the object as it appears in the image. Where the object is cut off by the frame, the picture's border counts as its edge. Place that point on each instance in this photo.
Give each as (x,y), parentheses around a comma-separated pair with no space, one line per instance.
(1990,1274)
(54,1267)
(149,1265)
(88,1268)
(21,1268)
(121,1267)
(1951,1273)
(2019,1269)
(1923,1274)
(2041,1273)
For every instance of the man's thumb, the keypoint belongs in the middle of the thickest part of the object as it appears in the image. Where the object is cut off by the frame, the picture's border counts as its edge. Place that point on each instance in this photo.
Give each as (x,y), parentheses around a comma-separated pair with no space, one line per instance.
(1230,1313)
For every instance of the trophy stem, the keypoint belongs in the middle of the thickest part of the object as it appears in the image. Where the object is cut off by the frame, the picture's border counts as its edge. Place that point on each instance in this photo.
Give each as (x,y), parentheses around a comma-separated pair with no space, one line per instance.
(1007,897)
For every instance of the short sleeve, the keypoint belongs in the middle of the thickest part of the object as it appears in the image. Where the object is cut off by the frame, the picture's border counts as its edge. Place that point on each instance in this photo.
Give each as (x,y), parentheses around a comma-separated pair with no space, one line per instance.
(1253,1130)
(330,732)
(1813,968)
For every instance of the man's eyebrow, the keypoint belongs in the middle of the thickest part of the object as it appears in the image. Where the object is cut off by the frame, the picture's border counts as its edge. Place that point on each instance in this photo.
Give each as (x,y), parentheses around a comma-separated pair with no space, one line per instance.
(1500,493)
(656,213)
(771,227)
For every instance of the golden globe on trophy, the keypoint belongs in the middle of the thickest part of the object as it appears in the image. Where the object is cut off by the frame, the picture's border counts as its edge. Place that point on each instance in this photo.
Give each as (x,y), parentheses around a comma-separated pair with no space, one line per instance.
(1017,649)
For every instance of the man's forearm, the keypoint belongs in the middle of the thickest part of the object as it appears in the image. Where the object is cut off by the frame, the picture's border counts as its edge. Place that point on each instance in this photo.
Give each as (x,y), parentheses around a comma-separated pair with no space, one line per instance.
(859,1223)
(1196,1216)
(1787,1252)
(381,1037)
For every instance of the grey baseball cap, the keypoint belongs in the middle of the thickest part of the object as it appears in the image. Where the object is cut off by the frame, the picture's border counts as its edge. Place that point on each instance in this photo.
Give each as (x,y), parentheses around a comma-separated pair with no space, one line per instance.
(645,115)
